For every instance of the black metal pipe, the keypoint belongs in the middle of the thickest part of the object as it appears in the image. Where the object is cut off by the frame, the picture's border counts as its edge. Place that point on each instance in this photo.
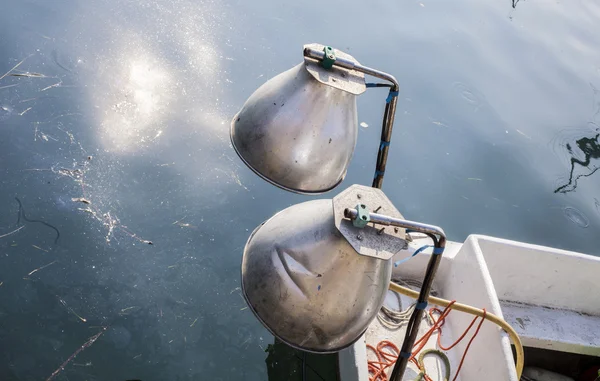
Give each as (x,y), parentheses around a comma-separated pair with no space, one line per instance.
(412,328)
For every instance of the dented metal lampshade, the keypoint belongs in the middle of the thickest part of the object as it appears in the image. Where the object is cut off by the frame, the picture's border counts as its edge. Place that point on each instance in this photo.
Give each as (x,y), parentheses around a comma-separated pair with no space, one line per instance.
(299,129)
(307,284)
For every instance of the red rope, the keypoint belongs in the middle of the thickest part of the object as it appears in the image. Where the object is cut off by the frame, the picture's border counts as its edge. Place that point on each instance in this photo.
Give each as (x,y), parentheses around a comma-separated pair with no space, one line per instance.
(386,359)
(469,344)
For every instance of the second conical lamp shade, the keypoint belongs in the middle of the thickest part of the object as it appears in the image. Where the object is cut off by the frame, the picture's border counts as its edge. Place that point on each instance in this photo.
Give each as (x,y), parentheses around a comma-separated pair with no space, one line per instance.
(297,132)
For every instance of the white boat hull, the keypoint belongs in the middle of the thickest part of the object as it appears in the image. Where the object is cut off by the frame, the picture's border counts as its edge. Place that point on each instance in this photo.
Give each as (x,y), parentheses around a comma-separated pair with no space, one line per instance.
(548,295)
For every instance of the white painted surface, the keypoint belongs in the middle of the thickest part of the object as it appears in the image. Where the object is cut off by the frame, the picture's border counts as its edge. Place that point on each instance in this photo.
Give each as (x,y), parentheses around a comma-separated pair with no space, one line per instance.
(352,362)
(549,296)
(558,293)
(462,276)
(542,275)
(556,329)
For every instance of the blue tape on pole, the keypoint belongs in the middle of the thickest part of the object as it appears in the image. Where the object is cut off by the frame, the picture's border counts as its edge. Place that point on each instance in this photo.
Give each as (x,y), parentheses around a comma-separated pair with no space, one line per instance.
(391,95)
(420,249)
(377,173)
(421,305)
(405,355)
(383,144)
(438,250)
(398,263)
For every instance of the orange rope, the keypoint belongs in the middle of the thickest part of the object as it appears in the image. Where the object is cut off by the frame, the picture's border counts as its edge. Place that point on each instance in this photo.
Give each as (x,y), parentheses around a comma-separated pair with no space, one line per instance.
(386,359)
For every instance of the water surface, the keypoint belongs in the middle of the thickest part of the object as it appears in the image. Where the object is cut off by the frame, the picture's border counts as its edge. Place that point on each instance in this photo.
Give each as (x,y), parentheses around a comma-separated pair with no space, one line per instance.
(115,132)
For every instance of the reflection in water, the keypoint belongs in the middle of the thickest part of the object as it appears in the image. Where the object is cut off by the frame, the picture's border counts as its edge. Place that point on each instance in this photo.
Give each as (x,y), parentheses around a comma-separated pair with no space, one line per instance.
(576,217)
(582,150)
(139,95)
(590,148)
(285,363)
(143,82)
(5,112)
(471,95)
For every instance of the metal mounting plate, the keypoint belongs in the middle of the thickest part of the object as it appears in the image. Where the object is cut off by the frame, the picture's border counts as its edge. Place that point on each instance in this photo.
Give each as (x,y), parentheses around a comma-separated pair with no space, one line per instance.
(370,240)
(348,80)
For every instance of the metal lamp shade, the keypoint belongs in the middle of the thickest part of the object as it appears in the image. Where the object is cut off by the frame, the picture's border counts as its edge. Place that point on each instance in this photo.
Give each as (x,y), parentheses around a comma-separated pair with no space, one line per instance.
(297,132)
(306,283)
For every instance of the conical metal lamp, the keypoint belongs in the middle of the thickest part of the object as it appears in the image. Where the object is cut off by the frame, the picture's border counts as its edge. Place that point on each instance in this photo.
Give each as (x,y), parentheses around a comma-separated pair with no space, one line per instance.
(298,130)
(310,281)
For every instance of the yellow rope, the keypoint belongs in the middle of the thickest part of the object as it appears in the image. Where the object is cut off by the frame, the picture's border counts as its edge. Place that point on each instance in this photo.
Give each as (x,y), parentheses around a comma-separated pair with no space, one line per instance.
(473,311)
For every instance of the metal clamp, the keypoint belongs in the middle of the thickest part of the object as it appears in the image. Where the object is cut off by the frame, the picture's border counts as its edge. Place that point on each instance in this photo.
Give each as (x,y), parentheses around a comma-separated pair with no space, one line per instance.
(363,217)
(329,58)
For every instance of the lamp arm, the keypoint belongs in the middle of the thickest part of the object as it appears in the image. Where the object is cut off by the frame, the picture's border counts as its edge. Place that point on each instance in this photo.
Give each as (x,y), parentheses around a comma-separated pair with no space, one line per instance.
(412,329)
(388,115)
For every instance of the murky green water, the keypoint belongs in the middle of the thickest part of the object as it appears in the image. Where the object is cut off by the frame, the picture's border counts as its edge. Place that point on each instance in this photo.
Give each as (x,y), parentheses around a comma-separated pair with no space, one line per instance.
(126,105)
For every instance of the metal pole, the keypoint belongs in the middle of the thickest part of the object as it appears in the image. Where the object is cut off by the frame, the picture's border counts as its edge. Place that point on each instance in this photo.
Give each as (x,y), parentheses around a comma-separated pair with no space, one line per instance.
(412,328)
(388,115)
(382,219)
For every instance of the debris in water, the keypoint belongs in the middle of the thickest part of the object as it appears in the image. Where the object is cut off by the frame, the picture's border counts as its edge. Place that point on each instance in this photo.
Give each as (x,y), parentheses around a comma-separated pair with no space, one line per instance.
(177,222)
(51,86)
(125,311)
(14,67)
(41,268)
(89,363)
(22,214)
(364,125)
(27,74)
(85,345)
(524,134)
(24,111)
(71,310)
(12,232)
(81,199)
(39,248)
(7,86)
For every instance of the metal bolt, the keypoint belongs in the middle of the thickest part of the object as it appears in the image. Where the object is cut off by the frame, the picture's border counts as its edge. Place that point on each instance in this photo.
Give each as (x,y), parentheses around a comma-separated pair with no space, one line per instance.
(380,231)
(377,210)
(358,196)
(359,237)
(396,230)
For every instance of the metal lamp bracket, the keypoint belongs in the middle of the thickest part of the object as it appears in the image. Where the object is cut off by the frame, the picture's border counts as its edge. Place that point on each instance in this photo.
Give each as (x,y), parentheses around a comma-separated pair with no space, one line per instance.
(381,242)
(338,77)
